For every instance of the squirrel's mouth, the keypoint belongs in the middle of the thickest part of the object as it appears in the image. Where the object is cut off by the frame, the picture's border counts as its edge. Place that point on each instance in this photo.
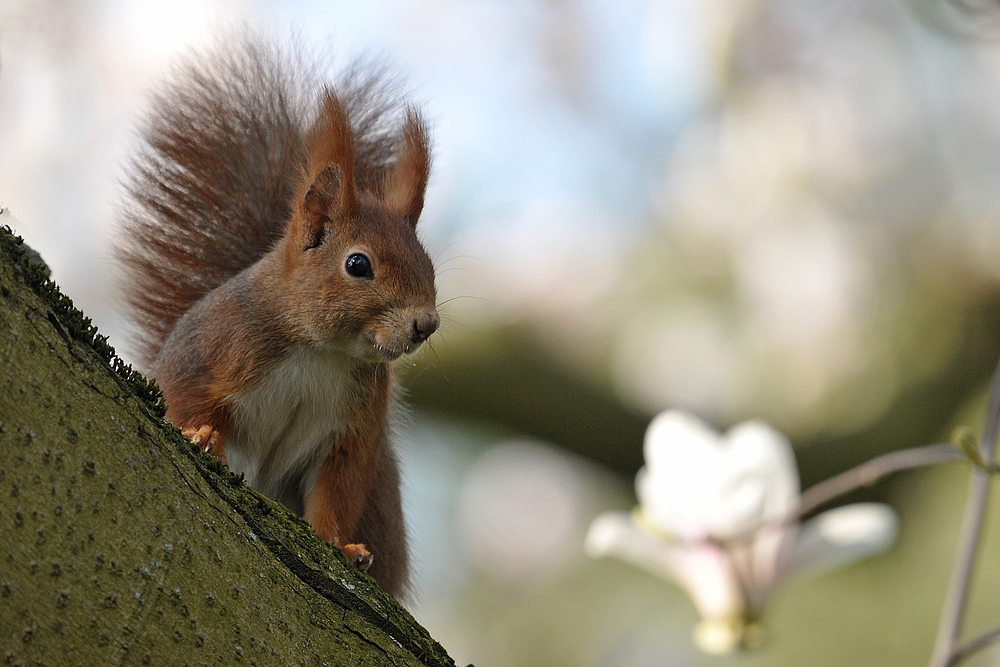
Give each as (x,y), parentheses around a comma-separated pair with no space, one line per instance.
(387,353)
(391,353)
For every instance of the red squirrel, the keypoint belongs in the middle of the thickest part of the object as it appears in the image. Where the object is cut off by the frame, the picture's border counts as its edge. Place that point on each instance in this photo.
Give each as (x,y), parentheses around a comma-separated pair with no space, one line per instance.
(275,274)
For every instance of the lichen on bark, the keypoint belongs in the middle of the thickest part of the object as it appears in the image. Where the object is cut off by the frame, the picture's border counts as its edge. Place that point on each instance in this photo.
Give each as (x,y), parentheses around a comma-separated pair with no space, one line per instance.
(121,543)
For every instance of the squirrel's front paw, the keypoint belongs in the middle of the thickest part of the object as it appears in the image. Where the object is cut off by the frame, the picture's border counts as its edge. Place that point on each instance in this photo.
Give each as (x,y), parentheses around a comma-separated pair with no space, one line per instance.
(208,439)
(359,556)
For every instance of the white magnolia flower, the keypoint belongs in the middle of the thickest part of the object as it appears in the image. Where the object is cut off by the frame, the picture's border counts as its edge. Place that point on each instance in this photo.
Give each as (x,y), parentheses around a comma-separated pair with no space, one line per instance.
(718,515)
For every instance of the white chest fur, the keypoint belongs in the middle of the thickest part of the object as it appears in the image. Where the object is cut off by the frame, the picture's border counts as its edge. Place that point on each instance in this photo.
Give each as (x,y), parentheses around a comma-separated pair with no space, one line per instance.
(289,420)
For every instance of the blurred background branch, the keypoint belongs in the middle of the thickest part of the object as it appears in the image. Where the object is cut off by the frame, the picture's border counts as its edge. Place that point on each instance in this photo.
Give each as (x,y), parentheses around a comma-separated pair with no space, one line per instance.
(946,648)
(871,471)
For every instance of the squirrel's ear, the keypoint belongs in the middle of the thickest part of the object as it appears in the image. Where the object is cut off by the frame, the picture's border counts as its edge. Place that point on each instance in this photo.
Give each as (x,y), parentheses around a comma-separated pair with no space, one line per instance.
(330,155)
(322,201)
(404,189)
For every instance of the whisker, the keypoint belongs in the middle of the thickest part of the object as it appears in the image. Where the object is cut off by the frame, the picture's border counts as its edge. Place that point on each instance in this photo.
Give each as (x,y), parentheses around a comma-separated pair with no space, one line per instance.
(437,359)
(458,257)
(444,338)
(461,324)
(454,268)
(454,243)
(466,296)
(423,370)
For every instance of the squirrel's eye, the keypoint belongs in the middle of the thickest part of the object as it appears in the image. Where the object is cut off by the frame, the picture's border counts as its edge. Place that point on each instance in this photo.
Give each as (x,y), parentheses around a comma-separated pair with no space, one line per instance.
(359,266)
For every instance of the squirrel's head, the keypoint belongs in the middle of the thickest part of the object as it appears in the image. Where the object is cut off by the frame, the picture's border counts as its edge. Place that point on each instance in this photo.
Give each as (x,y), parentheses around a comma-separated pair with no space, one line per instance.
(358,277)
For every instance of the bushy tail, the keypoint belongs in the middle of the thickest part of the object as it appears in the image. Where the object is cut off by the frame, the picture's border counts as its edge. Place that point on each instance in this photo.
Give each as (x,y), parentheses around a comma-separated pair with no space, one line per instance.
(222,151)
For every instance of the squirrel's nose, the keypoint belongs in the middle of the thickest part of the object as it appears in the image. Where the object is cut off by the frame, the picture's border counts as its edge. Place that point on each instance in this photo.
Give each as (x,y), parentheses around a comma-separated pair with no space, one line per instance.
(424,325)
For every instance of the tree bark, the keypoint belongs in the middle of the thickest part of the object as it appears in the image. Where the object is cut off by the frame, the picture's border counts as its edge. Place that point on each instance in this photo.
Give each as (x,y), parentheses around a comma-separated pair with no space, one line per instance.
(121,543)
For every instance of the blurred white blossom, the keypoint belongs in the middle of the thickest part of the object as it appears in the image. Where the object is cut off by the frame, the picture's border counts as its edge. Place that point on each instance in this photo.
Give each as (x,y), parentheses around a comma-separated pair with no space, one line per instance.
(718,516)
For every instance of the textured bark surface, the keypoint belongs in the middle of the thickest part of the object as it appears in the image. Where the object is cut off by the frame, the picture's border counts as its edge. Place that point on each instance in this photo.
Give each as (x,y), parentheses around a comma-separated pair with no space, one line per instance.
(120,543)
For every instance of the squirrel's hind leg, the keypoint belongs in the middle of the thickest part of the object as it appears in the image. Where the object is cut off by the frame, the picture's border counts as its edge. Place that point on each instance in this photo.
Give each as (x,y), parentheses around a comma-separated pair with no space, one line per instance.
(381,527)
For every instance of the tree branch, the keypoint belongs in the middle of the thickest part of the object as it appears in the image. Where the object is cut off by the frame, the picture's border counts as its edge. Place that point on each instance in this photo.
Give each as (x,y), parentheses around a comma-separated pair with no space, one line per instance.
(974,645)
(121,540)
(871,471)
(946,652)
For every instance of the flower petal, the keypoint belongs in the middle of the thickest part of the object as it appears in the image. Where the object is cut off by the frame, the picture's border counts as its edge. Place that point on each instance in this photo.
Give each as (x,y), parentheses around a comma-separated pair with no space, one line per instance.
(761,458)
(698,484)
(701,569)
(678,483)
(841,536)
(674,434)
(763,558)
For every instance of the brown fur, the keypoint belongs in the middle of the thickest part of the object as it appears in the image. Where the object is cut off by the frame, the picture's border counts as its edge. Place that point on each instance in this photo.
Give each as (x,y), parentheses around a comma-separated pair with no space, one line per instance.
(253,187)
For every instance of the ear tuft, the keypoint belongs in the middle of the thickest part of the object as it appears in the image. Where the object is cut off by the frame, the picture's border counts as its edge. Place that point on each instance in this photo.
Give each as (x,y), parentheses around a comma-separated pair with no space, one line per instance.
(330,192)
(407,180)
(331,138)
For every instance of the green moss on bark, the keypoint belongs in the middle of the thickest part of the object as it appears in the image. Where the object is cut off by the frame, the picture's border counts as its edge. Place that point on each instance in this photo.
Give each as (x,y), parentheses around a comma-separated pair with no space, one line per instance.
(120,543)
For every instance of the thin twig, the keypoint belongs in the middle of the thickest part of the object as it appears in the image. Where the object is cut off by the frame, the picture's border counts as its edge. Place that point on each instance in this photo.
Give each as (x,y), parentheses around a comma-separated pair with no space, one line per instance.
(871,471)
(865,474)
(946,649)
(953,611)
(974,645)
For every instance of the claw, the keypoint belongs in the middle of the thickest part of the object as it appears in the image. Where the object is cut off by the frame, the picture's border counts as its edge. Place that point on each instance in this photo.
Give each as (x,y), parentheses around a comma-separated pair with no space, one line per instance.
(208,439)
(359,556)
